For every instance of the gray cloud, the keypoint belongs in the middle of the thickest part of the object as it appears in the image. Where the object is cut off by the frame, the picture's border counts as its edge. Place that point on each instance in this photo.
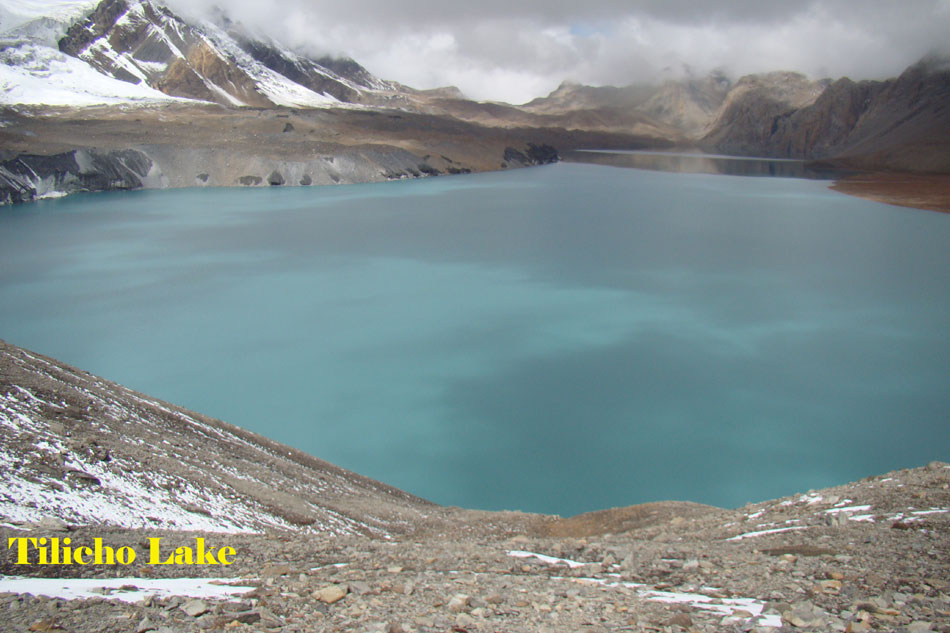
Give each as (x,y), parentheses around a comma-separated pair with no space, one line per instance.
(498,49)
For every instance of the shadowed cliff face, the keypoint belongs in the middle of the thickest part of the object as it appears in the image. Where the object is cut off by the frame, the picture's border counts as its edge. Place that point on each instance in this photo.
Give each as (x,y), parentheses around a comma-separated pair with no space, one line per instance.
(31,176)
(745,121)
(901,124)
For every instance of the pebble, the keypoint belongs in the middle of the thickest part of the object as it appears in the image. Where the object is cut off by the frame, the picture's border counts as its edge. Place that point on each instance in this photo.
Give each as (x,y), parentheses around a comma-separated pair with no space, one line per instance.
(331,594)
(194,608)
(464,620)
(459,602)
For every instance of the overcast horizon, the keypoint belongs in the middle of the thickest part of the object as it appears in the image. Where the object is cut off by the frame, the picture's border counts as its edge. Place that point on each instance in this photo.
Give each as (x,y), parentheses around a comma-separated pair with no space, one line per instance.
(514,52)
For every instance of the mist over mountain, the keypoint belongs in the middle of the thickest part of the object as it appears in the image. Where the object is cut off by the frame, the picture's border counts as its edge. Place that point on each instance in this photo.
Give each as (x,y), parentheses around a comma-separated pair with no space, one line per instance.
(516,52)
(73,55)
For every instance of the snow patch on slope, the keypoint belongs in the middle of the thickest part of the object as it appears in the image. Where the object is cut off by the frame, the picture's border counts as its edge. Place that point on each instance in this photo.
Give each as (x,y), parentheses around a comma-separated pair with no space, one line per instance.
(35,72)
(722,606)
(124,495)
(15,13)
(121,588)
(279,89)
(81,461)
(31,74)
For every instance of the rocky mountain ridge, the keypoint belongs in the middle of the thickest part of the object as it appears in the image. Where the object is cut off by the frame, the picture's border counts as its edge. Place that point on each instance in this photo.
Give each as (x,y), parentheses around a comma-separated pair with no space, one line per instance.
(738,126)
(682,109)
(208,103)
(898,124)
(137,41)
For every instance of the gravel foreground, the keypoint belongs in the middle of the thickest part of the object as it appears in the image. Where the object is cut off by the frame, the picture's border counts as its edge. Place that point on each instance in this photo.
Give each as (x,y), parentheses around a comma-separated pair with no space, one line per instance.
(868,556)
(344,553)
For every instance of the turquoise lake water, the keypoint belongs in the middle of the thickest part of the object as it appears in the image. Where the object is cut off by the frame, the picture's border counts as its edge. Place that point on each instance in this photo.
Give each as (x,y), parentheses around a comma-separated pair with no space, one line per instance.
(558,339)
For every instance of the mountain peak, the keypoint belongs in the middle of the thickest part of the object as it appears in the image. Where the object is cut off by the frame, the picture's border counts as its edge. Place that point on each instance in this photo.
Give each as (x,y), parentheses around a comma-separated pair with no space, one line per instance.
(217,60)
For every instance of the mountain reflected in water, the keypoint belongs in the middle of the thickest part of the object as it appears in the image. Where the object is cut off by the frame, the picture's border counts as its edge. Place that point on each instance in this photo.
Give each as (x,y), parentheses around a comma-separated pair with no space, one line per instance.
(698,163)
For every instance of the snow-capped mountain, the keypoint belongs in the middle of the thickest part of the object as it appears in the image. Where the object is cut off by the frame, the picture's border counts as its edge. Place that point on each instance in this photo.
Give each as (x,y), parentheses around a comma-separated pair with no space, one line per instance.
(31,73)
(43,21)
(142,50)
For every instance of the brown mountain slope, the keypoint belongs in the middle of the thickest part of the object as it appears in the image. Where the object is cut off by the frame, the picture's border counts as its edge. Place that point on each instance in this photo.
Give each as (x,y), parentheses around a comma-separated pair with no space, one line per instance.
(744,124)
(679,110)
(901,124)
(906,124)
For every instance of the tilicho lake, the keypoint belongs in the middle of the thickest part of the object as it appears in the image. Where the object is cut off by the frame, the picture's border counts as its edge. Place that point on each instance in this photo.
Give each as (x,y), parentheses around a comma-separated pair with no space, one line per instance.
(557,339)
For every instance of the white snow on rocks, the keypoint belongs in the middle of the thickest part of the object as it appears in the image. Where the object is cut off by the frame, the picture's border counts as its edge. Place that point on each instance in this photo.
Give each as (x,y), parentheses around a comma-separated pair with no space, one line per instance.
(34,72)
(550,560)
(125,589)
(724,606)
(96,453)
(931,511)
(848,509)
(16,13)
(274,86)
(763,532)
(124,496)
(31,74)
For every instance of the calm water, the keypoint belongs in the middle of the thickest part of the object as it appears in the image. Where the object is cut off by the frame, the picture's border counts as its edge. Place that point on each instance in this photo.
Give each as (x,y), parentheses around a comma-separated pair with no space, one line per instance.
(699,163)
(558,339)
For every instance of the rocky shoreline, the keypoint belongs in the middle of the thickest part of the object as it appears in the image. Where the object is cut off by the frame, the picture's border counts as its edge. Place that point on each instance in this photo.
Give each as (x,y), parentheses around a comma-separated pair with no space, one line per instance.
(50,152)
(930,192)
(261,151)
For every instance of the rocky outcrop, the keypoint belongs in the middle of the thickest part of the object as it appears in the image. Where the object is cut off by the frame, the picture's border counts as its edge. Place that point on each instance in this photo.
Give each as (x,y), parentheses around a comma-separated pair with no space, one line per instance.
(30,176)
(689,105)
(542,154)
(747,119)
(900,124)
(819,130)
(905,123)
(533,154)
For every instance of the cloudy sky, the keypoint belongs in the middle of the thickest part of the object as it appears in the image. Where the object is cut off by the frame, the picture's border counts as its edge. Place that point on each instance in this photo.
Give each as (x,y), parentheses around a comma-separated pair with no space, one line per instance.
(514,50)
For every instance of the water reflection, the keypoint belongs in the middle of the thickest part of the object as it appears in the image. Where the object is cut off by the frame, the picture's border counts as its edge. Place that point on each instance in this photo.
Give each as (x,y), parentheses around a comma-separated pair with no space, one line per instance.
(698,163)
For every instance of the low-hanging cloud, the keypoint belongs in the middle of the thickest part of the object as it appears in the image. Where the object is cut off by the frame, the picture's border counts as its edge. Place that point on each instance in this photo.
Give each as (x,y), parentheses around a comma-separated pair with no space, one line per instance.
(514,51)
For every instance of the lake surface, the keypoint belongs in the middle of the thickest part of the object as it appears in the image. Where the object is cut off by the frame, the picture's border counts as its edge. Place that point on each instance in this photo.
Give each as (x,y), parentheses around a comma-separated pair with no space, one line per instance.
(701,163)
(558,339)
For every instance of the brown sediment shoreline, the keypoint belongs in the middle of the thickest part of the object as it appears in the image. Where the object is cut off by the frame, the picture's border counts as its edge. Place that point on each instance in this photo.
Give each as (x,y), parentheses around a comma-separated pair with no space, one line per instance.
(916,190)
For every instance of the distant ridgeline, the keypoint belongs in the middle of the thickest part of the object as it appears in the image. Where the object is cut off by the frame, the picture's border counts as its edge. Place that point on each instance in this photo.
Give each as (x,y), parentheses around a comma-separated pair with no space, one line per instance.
(185,103)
